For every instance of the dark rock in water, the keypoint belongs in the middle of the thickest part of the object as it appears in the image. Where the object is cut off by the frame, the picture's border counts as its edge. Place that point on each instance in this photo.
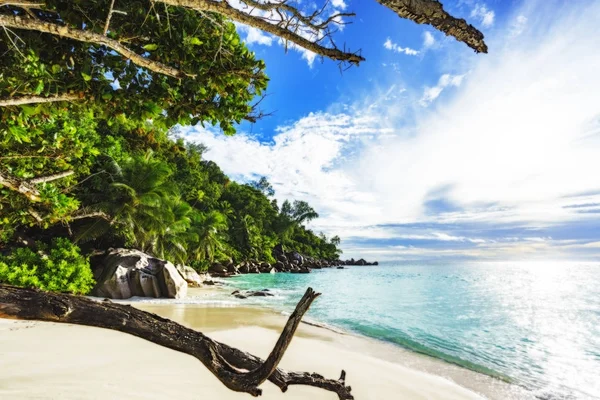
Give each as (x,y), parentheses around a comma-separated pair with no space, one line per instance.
(232,269)
(279,266)
(252,293)
(254,270)
(260,294)
(376,263)
(243,268)
(340,267)
(295,256)
(210,283)
(126,273)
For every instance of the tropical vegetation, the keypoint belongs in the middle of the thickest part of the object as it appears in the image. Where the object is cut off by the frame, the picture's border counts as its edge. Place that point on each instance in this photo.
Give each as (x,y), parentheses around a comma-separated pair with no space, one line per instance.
(91,98)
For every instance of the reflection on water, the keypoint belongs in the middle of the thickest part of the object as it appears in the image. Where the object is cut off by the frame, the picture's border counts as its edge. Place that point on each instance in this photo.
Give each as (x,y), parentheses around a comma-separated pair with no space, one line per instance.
(536,324)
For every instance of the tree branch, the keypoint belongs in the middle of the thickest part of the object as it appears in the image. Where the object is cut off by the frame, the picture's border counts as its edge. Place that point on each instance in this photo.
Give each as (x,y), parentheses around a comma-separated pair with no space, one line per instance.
(16,101)
(21,3)
(432,12)
(93,214)
(17,22)
(27,188)
(50,178)
(109,16)
(226,363)
(280,30)
(17,185)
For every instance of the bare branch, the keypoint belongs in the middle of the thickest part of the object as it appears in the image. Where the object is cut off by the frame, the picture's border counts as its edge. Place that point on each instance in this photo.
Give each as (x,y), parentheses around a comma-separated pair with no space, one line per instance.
(27,188)
(16,101)
(17,185)
(287,29)
(50,178)
(93,214)
(109,16)
(90,37)
(432,12)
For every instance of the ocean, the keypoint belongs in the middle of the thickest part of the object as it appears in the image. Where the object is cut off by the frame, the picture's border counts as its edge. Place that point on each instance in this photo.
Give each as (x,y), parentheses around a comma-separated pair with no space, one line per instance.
(536,325)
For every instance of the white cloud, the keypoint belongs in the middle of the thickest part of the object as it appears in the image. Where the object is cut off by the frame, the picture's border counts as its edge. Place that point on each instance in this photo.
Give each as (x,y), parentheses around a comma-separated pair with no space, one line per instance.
(301,161)
(428,39)
(254,36)
(388,44)
(516,137)
(485,15)
(518,26)
(432,93)
(339,4)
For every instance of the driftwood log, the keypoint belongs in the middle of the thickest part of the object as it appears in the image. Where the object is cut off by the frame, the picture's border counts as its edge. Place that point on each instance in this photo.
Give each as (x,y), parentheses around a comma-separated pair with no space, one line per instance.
(236,369)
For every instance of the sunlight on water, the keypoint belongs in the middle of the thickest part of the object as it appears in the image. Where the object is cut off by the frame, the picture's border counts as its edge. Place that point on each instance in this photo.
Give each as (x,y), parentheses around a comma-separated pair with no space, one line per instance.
(534,324)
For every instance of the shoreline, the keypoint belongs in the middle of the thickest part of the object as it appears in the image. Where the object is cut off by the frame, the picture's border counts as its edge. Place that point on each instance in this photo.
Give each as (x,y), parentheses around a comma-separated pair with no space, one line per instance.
(49,360)
(265,316)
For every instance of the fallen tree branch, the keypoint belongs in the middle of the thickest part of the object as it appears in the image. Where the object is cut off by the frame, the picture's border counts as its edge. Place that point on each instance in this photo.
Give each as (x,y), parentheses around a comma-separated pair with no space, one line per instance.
(17,22)
(432,12)
(238,370)
(16,101)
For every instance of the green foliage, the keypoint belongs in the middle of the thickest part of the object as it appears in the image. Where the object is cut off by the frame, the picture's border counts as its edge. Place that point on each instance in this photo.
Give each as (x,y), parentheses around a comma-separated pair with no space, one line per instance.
(224,76)
(134,184)
(58,268)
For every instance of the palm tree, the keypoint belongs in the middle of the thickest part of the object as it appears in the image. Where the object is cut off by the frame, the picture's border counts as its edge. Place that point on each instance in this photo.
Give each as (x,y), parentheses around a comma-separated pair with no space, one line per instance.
(171,241)
(142,199)
(208,228)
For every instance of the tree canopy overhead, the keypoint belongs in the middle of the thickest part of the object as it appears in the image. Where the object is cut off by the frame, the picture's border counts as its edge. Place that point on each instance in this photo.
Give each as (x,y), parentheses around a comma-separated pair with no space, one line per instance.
(184,52)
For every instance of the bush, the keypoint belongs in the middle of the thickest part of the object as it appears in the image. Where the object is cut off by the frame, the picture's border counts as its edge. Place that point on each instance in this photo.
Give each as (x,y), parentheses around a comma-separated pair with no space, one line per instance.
(58,268)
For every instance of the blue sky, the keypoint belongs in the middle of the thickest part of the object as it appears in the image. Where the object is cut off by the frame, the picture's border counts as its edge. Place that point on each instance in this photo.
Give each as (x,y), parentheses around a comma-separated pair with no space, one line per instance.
(428,150)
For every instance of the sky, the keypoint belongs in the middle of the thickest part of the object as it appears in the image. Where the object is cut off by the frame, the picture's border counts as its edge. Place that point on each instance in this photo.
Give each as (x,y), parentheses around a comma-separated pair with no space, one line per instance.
(428,151)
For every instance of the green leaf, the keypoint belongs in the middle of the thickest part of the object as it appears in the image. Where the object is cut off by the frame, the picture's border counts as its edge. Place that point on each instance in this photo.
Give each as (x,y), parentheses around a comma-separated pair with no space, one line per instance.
(196,41)
(30,110)
(39,87)
(150,47)
(86,77)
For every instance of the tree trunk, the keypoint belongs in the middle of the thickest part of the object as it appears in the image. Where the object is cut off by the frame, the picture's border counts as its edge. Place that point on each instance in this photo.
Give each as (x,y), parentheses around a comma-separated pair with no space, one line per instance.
(16,101)
(64,31)
(236,369)
(432,12)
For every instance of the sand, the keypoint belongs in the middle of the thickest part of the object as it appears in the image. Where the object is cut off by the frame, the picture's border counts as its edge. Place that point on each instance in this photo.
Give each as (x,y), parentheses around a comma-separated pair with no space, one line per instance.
(41,360)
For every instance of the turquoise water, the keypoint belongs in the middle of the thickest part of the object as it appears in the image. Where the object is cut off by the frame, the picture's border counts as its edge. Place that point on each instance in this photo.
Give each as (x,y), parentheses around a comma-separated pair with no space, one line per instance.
(534,324)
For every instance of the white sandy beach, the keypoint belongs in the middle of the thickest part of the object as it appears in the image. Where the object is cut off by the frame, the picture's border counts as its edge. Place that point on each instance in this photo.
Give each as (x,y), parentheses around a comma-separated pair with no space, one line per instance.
(40,360)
